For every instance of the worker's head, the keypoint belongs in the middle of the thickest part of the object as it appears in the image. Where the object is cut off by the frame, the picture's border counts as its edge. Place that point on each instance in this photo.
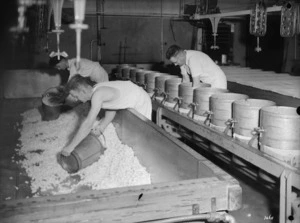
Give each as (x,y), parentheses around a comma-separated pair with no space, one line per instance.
(176,55)
(80,88)
(60,64)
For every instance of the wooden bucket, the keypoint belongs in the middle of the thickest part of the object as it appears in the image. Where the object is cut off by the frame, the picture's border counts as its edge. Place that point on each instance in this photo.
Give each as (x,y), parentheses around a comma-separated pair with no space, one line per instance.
(125,72)
(132,74)
(281,127)
(150,81)
(119,70)
(140,76)
(86,152)
(160,82)
(201,98)
(171,88)
(221,107)
(186,92)
(246,115)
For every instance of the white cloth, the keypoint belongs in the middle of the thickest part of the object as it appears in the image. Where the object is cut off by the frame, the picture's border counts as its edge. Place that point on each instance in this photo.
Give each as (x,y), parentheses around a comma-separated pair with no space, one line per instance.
(200,64)
(130,96)
(88,69)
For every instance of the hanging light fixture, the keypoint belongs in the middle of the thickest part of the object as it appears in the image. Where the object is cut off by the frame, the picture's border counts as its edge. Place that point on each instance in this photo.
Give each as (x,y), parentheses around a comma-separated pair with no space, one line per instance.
(288,23)
(56,6)
(258,22)
(78,26)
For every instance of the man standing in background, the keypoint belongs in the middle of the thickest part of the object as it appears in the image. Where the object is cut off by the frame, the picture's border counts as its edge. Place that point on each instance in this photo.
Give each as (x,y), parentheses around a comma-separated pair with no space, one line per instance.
(197,65)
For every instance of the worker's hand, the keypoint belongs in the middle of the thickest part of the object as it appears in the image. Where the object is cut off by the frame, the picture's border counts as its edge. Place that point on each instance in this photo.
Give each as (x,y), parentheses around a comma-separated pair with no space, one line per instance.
(66,151)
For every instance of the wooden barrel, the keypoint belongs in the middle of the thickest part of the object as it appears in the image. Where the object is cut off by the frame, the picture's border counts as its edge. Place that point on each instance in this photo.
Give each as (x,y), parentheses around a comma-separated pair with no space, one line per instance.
(140,76)
(201,98)
(150,80)
(171,88)
(186,92)
(85,153)
(160,82)
(221,107)
(246,114)
(125,71)
(281,127)
(132,74)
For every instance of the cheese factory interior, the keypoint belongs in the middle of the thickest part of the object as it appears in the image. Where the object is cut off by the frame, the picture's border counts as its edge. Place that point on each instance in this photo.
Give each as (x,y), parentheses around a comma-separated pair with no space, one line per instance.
(194,116)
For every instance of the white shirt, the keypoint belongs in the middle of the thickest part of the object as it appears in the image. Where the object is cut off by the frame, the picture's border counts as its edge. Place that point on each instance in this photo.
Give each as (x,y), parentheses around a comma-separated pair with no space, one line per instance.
(88,69)
(199,64)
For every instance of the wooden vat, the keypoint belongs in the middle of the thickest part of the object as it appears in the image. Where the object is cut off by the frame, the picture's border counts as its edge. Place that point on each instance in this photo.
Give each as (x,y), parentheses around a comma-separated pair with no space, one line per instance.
(186,93)
(201,98)
(281,127)
(181,180)
(125,72)
(171,88)
(140,76)
(160,82)
(150,81)
(132,74)
(221,107)
(246,115)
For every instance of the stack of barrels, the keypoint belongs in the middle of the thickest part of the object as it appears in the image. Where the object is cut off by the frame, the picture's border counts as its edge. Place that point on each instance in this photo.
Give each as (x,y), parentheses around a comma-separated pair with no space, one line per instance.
(259,123)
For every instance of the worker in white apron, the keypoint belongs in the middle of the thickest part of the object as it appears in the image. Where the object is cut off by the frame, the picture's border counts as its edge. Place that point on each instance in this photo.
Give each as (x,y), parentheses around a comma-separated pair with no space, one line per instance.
(197,65)
(110,96)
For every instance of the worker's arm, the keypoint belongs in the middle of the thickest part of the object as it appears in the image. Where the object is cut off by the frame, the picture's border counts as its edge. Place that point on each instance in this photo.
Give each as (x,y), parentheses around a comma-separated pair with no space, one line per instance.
(185,75)
(196,81)
(108,117)
(185,78)
(86,125)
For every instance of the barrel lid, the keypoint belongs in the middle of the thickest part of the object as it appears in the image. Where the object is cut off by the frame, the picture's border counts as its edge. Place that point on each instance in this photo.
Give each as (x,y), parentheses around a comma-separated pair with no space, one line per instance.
(254,103)
(211,89)
(163,77)
(174,80)
(229,96)
(281,110)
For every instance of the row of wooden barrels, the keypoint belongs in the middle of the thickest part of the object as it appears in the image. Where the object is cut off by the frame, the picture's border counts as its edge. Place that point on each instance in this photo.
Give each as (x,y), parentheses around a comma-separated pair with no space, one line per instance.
(275,129)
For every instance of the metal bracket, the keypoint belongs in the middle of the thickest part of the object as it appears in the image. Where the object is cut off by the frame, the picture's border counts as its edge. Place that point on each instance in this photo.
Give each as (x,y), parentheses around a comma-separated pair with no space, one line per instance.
(192,110)
(229,125)
(155,90)
(208,118)
(178,103)
(165,96)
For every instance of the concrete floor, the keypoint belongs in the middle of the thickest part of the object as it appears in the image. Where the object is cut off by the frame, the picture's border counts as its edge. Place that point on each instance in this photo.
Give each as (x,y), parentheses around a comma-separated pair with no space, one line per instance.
(260,204)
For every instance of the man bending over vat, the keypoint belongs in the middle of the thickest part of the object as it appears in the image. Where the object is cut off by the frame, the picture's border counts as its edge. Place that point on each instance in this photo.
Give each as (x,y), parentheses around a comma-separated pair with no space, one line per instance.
(110,96)
(87,68)
(198,65)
